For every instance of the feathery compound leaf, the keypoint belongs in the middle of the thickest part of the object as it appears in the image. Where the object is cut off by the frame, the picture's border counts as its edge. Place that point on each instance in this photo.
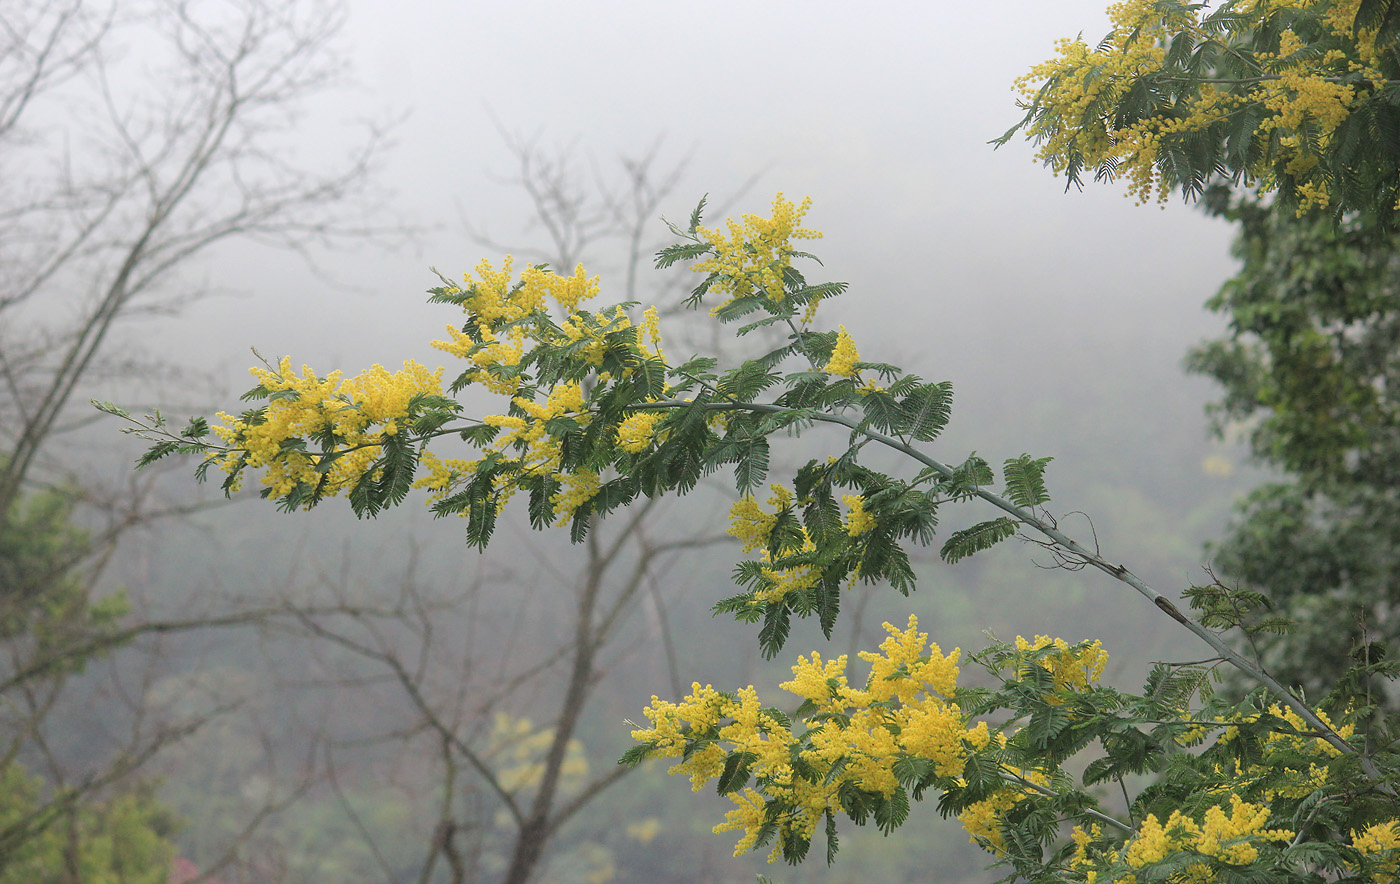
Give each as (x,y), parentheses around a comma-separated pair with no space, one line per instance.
(156,452)
(832,843)
(752,466)
(1380,15)
(881,411)
(924,412)
(983,535)
(697,213)
(1025,480)
(680,252)
(636,755)
(773,635)
(891,813)
(736,772)
(828,591)
(822,517)
(744,383)
(968,476)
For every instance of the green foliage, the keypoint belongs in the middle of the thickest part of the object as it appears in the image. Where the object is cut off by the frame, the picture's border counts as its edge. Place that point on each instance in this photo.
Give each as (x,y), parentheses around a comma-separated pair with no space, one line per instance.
(1308,368)
(1297,98)
(52,628)
(45,605)
(1025,481)
(983,535)
(123,839)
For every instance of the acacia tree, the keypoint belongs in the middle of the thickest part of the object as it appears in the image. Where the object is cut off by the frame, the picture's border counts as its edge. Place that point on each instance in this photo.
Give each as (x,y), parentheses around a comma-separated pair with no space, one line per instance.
(120,167)
(1295,102)
(1293,97)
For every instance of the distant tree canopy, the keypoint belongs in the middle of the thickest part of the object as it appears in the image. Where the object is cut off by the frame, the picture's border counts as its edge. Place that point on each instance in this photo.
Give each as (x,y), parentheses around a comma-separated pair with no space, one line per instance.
(1310,366)
(1297,97)
(1296,105)
(124,839)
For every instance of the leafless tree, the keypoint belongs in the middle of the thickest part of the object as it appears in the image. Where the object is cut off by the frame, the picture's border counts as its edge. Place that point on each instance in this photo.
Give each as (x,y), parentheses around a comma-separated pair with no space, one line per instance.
(135,135)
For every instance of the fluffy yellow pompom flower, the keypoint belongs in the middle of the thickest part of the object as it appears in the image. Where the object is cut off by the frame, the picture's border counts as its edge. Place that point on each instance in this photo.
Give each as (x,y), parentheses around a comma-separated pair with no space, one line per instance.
(1381,841)
(1072,668)
(858,521)
(578,487)
(361,412)
(1226,837)
(844,356)
(635,433)
(854,735)
(1300,98)
(750,258)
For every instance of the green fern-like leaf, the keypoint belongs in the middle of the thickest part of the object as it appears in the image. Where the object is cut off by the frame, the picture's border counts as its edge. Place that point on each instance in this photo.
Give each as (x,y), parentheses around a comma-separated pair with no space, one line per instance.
(777,623)
(736,772)
(924,412)
(981,536)
(680,252)
(1025,480)
(696,213)
(891,813)
(967,477)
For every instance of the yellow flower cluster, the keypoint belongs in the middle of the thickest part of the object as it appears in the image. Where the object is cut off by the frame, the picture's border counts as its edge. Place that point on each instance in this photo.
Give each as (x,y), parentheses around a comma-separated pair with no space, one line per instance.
(903,708)
(498,335)
(1289,776)
(750,524)
(1381,841)
(580,487)
(537,451)
(1296,743)
(1086,79)
(858,521)
(843,356)
(651,322)
(360,412)
(516,749)
(1081,88)
(636,432)
(1080,860)
(578,328)
(494,303)
(751,256)
(789,579)
(982,820)
(1071,667)
(1227,837)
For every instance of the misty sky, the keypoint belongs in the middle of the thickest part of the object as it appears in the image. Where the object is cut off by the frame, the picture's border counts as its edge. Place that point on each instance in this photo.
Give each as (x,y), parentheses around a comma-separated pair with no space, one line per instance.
(880,113)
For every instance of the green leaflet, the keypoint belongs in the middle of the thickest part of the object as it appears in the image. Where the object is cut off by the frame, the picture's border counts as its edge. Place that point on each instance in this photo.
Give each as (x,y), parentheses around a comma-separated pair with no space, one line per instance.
(983,535)
(1025,481)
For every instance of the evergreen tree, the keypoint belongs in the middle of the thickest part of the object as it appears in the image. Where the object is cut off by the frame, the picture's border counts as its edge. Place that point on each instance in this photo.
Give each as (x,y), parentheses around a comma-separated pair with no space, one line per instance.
(1310,366)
